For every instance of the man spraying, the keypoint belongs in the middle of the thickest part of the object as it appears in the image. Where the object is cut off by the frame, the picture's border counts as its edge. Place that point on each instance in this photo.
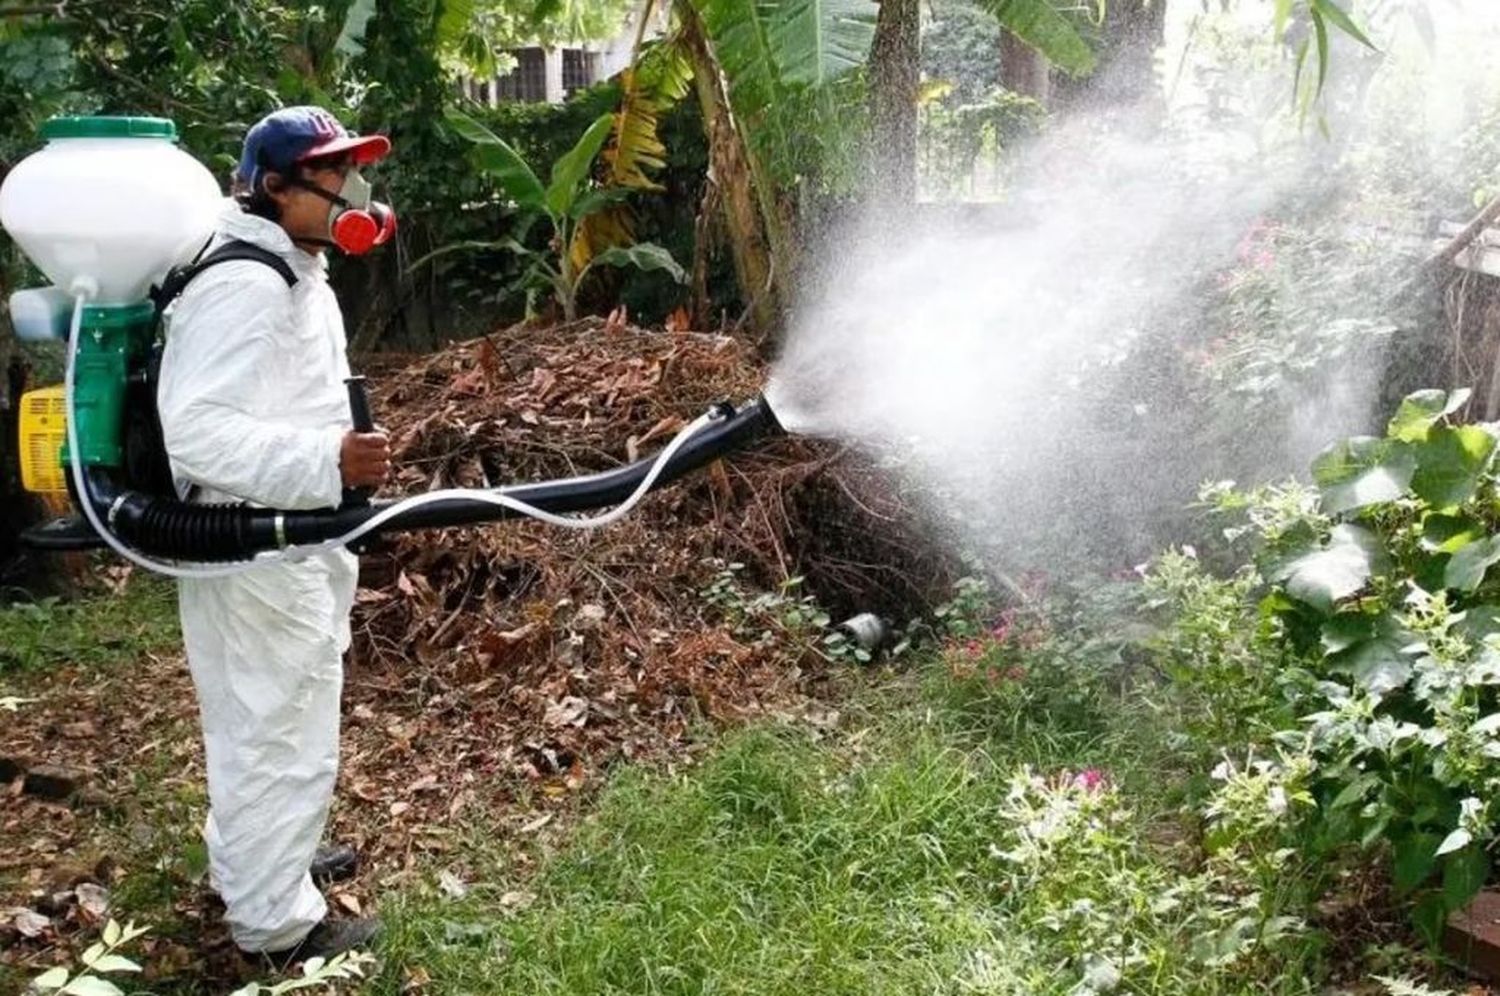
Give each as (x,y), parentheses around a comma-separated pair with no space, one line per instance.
(254,408)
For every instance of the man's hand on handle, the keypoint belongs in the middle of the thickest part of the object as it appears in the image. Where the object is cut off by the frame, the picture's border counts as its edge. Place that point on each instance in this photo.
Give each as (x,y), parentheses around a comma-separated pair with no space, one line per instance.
(365,459)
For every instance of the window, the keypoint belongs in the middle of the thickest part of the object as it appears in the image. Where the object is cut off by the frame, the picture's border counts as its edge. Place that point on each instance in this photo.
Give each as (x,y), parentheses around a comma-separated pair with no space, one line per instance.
(578,69)
(528,81)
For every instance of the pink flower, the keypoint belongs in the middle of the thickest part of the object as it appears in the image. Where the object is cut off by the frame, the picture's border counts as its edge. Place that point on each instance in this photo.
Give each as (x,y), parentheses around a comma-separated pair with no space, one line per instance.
(1090,780)
(973,649)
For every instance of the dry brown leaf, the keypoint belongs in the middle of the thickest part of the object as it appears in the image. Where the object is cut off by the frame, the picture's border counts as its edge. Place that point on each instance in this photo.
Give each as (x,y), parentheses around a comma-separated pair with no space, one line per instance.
(364,790)
(470,383)
(617,320)
(500,646)
(568,711)
(115,577)
(489,363)
(451,885)
(29,923)
(93,900)
(543,383)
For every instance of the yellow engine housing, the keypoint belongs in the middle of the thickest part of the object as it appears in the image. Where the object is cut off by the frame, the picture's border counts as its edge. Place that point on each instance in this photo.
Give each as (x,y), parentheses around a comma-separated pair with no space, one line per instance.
(44,434)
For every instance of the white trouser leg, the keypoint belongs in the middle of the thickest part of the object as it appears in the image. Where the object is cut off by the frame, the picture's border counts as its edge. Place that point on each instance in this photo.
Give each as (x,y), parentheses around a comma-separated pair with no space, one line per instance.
(265,650)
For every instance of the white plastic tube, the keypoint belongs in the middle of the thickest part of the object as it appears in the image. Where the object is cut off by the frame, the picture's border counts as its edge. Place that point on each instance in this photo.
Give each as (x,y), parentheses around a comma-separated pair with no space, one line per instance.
(499,498)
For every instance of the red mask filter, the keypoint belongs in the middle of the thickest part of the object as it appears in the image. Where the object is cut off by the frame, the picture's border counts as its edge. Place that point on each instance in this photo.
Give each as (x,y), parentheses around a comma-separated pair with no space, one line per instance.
(357,232)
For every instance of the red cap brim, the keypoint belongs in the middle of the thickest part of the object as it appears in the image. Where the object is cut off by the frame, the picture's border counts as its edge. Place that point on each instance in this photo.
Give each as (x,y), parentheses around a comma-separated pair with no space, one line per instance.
(365,149)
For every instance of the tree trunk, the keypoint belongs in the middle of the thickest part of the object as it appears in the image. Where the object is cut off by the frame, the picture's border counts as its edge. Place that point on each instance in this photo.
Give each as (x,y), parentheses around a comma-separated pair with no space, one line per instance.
(730,171)
(1024,70)
(895,74)
(704,231)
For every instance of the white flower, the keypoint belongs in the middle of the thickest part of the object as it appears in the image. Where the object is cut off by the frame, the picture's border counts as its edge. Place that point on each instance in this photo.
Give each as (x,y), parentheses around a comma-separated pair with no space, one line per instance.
(1471,815)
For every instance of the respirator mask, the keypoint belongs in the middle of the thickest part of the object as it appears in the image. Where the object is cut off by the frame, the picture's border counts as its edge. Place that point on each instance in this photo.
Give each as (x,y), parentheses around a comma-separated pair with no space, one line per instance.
(357,222)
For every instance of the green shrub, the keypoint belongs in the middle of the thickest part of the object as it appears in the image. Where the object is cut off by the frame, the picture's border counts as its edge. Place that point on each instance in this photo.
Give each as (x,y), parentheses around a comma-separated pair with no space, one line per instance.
(1077,872)
(1380,630)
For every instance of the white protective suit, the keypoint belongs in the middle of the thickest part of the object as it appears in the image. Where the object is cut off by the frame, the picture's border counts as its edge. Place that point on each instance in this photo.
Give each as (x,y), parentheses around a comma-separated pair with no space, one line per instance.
(253,408)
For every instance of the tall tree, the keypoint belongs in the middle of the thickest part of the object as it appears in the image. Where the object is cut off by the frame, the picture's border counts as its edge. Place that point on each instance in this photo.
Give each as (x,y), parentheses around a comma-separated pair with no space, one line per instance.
(1024,70)
(895,73)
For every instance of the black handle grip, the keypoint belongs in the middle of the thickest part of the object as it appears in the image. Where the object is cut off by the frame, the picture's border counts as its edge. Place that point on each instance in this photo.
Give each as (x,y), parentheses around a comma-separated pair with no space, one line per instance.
(359,404)
(359,414)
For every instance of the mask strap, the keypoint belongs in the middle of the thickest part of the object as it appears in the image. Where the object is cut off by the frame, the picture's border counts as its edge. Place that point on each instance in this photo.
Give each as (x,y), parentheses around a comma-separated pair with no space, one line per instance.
(328,196)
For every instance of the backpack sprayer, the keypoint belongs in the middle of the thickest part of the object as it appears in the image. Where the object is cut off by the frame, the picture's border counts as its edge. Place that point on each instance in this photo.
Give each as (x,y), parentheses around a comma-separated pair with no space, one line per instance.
(106,209)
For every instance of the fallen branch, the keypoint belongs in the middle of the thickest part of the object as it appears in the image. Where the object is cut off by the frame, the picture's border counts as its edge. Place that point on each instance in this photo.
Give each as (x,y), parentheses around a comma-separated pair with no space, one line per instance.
(1450,252)
(1429,273)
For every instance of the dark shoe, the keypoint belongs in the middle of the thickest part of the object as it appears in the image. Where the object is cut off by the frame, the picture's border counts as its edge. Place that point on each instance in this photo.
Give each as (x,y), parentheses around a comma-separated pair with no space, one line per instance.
(327,939)
(334,864)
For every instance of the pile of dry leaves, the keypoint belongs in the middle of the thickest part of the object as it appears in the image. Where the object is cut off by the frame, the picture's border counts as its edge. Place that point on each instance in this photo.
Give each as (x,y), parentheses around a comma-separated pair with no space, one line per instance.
(531,651)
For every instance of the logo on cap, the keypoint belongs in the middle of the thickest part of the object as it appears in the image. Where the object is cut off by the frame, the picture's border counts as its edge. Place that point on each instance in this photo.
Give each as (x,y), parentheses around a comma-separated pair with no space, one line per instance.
(325,125)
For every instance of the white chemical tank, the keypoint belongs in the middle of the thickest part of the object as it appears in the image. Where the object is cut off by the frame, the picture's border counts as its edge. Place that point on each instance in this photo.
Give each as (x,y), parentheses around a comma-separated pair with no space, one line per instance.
(110,200)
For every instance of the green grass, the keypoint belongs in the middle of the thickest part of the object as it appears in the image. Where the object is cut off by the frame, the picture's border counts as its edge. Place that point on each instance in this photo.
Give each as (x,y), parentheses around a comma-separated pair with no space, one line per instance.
(790,859)
(98,628)
(774,867)
(793,863)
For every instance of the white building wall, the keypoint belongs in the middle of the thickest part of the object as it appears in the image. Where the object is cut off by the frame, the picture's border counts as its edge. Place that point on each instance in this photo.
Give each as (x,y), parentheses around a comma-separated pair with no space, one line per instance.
(554,66)
(608,57)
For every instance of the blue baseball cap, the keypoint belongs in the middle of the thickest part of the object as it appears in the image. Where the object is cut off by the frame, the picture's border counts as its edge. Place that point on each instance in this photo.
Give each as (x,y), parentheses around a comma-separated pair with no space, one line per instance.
(291,135)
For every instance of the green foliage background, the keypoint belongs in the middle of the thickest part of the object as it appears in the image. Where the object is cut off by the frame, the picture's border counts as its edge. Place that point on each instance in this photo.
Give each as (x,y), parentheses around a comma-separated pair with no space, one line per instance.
(388,66)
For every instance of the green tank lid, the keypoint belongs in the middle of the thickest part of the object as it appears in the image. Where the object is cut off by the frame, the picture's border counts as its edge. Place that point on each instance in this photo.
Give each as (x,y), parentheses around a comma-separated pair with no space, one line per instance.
(109,127)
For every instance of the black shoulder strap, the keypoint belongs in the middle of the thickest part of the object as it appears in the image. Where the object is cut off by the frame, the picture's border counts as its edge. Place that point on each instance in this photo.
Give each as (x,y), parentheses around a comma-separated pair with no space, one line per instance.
(177,280)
